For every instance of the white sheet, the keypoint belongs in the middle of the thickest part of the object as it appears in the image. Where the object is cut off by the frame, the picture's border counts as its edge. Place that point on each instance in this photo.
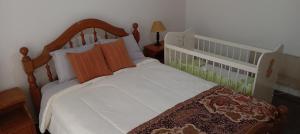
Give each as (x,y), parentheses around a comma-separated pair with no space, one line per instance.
(51,89)
(118,103)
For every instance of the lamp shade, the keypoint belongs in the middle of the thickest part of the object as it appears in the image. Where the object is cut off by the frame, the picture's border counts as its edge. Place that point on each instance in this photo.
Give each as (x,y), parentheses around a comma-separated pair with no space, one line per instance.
(158,26)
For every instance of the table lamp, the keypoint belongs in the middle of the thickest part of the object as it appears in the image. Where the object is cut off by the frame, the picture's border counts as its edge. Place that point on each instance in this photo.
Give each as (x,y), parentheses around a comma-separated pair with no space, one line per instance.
(157,27)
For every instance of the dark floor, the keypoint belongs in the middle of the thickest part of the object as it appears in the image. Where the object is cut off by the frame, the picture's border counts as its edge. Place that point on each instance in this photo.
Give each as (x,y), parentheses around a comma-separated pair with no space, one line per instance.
(293,103)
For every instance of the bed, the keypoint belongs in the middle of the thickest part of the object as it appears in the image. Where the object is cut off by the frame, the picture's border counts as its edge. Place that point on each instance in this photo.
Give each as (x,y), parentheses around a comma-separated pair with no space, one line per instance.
(149,98)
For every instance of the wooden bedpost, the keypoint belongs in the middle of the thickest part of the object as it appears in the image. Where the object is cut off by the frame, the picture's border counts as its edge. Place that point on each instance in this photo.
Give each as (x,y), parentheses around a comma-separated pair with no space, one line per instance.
(29,69)
(136,32)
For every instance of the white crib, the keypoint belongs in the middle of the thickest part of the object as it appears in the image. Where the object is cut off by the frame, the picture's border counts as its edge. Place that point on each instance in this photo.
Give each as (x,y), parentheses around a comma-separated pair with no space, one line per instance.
(246,69)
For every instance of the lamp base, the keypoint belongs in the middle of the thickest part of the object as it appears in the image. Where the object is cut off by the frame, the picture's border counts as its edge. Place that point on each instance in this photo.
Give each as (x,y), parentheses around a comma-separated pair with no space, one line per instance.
(157,39)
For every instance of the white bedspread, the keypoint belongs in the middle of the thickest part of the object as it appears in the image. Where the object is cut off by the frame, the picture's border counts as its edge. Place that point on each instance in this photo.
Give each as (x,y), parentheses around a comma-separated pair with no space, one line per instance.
(118,103)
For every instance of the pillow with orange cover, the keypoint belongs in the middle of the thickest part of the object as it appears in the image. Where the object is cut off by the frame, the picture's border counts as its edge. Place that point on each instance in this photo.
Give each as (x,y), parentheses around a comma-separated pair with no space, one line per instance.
(89,64)
(116,55)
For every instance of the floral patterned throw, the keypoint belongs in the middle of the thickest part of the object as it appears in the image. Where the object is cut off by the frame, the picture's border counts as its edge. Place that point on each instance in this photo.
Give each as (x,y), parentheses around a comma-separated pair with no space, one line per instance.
(215,111)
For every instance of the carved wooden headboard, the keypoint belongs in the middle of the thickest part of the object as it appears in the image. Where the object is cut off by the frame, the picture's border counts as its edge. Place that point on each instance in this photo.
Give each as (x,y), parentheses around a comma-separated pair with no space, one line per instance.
(31,64)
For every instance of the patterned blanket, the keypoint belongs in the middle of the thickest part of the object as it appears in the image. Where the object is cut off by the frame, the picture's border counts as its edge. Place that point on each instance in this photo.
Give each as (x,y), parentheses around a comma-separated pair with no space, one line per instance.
(218,110)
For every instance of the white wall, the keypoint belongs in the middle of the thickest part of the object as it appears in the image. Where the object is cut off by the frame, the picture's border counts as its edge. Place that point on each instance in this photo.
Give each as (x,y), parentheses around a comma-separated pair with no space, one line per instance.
(34,23)
(262,23)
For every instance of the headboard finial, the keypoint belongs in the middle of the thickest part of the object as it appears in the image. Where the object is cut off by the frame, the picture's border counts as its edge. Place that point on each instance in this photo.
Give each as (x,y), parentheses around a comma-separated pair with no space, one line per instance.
(24,51)
(136,32)
(135,25)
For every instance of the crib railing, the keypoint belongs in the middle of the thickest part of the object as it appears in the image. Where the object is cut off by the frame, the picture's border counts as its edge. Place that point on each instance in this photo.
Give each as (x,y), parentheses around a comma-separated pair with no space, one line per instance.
(225,63)
(231,50)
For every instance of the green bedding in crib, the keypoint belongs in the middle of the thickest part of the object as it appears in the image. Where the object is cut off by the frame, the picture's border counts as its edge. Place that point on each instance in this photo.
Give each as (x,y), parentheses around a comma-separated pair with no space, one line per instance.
(200,71)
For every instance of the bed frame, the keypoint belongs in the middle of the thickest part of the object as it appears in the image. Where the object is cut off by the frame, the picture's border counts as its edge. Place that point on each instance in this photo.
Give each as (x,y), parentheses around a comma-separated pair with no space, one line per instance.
(30,65)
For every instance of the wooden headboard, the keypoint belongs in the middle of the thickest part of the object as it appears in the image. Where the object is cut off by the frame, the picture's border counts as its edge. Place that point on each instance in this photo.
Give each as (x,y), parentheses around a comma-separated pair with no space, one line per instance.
(31,64)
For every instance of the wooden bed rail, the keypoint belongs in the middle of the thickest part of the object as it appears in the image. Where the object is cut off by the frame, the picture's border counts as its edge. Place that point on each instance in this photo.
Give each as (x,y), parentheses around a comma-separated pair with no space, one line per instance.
(31,64)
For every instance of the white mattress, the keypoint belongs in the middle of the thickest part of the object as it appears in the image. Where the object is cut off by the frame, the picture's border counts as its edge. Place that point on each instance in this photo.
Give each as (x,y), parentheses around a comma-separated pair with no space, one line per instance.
(118,103)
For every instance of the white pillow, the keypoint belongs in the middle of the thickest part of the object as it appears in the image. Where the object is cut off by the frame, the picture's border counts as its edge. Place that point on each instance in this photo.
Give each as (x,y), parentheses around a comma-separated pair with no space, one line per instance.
(63,67)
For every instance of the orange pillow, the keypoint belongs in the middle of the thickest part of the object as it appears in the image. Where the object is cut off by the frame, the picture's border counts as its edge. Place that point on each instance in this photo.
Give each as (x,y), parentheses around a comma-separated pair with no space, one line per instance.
(116,55)
(89,64)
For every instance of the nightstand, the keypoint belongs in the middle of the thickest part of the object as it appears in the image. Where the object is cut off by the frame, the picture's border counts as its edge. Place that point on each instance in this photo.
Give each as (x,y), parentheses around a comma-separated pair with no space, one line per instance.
(14,115)
(156,52)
